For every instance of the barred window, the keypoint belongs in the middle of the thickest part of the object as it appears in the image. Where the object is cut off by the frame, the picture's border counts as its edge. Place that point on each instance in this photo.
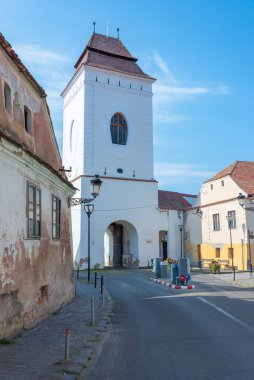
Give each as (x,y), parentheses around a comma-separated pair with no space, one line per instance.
(56,217)
(33,211)
(119,129)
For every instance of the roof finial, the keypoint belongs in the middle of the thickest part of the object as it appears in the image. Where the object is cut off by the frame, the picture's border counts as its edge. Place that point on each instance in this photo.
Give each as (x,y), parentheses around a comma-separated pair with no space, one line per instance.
(117,32)
(94,23)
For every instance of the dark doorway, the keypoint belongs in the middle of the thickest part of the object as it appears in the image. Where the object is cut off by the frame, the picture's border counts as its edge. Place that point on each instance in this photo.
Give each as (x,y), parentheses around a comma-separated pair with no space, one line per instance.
(118,244)
(199,252)
(164,250)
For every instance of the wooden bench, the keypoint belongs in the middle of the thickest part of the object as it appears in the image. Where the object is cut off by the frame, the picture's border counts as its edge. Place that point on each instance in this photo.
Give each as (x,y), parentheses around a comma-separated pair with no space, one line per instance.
(206,263)
(225,264)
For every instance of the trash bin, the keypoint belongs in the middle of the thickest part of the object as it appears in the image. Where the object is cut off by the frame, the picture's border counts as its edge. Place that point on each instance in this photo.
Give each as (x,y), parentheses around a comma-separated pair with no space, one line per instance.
(157,266)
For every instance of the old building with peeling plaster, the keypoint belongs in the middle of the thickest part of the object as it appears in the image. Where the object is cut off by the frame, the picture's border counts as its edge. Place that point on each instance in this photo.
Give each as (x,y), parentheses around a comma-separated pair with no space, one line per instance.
(36,266)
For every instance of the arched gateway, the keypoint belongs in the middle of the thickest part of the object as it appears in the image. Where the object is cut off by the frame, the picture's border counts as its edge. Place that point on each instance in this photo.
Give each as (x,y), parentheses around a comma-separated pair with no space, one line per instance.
(121,245)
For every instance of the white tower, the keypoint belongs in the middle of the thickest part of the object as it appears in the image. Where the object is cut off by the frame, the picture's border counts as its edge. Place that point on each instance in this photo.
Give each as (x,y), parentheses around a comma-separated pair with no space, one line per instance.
(108,131)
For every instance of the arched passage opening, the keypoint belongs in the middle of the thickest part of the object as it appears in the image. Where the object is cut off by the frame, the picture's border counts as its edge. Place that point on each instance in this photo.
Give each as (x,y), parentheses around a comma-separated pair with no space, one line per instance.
(121,245)
(163,241)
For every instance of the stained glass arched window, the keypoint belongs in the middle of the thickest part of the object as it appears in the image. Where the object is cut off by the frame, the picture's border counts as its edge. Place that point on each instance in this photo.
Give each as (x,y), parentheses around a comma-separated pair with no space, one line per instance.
(119,129)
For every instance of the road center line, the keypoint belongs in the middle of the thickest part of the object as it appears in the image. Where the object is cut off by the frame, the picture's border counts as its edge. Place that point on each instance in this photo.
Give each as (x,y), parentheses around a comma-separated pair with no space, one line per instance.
(227,314)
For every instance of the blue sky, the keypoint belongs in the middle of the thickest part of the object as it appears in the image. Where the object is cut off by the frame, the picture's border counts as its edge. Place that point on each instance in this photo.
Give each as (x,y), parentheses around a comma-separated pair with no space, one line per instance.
(201,52)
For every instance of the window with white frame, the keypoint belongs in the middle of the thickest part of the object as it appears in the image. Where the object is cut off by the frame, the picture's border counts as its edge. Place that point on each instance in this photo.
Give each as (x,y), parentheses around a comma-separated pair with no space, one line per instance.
(33,204)
(56,217)
(216,222)
(232,219)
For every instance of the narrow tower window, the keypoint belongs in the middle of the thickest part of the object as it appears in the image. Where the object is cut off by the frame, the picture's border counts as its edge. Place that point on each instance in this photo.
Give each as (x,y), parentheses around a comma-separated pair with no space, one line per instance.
(7,97)
(119,130)
(28,119)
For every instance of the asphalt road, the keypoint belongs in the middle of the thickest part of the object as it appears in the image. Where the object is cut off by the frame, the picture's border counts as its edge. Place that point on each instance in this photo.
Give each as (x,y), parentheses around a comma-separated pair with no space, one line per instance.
(160,333)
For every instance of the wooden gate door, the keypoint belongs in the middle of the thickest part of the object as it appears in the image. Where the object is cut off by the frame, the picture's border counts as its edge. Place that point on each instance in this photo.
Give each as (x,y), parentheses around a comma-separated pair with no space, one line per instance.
(118,245)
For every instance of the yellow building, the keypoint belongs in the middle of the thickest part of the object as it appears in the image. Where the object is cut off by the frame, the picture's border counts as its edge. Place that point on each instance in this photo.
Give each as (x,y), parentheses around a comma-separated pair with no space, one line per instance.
(218,222)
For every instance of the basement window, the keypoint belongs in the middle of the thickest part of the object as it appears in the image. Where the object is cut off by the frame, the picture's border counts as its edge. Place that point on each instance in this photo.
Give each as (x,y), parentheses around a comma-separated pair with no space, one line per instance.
(28,119)
(7,97)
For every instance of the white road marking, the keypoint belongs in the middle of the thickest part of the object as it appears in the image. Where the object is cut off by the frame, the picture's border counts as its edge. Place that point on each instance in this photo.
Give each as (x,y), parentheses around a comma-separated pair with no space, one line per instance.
(226,314)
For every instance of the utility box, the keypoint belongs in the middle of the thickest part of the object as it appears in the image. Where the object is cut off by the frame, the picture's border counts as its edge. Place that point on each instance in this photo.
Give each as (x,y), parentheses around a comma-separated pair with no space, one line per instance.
(174,273)
(164,269)
(157,266)
(184,265)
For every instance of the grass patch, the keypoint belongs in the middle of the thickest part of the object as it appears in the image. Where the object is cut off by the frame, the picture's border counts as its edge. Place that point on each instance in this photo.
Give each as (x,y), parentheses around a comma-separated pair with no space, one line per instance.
(5,342)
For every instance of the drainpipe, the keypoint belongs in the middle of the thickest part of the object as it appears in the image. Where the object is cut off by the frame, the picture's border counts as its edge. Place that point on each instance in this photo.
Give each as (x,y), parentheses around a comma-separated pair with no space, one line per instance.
(168,240)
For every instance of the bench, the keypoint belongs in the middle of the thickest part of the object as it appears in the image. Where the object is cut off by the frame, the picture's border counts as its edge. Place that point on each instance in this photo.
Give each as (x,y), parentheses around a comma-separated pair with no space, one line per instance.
(225,264)
(206,263)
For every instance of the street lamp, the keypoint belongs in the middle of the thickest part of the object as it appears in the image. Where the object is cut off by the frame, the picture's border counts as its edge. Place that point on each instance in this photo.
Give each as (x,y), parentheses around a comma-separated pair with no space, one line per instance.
(88,209)
(243,202)
(96,183)
(181,235)
(230,222)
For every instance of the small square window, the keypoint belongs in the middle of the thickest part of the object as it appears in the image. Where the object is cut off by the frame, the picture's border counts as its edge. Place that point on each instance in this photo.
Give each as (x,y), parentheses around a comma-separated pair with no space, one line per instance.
(211,187)
(230,253)
(217,253)
(222,183)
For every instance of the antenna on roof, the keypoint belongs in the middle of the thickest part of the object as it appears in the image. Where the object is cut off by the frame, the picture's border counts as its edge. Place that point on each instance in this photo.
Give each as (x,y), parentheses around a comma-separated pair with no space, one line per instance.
(117,32)
(94,23)
(107,29)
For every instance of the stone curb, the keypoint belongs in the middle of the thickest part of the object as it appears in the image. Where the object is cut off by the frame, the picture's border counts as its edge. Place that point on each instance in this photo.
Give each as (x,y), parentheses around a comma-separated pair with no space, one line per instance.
(172,286)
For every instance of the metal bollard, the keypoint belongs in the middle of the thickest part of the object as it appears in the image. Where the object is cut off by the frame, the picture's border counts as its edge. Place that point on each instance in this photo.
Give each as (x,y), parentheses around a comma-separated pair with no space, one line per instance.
(95,279)
(92,311)
(67,344)
(103,298)
(234,273)
(78,272)
(101,283)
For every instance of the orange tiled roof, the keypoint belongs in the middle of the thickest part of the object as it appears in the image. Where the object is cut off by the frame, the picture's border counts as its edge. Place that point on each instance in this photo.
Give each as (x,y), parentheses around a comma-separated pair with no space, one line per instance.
(242,172)
(171,200)
(109,53)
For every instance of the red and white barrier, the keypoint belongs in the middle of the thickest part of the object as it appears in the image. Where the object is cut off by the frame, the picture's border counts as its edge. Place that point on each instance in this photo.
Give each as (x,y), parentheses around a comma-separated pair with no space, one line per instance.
(169,285)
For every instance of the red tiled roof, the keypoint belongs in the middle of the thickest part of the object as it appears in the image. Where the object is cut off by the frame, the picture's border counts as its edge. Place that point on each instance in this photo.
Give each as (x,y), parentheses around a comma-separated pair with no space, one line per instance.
(170,200)
(15,58)
(111,54)
(242,172)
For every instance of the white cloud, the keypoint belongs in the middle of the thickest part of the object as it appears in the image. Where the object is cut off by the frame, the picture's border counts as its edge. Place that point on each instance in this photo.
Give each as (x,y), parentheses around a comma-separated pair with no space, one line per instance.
(165,172)
(52,71)
(36,55)
(165,118)
(169,90)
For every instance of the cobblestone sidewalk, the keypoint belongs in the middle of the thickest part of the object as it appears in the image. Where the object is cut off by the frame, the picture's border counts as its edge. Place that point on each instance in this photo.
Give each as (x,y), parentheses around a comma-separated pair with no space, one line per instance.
(38,353)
